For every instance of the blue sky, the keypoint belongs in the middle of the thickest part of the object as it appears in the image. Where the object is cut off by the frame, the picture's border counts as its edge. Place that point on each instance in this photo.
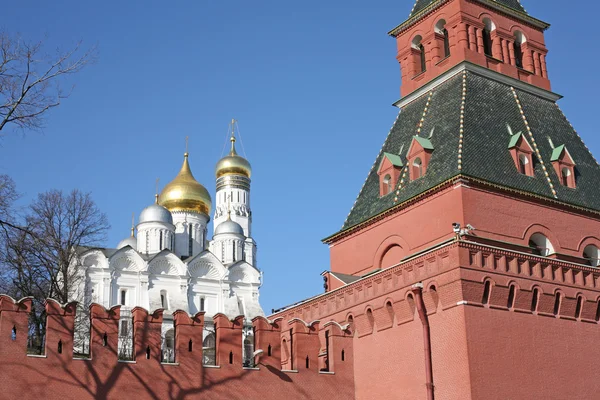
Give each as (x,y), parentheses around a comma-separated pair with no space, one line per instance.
(310,82)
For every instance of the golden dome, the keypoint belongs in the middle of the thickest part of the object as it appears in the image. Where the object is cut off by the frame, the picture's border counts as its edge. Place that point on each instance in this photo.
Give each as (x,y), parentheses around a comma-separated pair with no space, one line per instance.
(232,164)
(184,193)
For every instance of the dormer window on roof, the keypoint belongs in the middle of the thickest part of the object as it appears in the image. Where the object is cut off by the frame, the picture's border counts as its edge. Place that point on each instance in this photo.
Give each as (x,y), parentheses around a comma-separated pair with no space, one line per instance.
(522,154)
(418,156)
(389,172)
(564,166)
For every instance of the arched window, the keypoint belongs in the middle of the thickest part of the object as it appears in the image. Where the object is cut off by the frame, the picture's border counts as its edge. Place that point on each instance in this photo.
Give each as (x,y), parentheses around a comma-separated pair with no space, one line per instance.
(370,318)
(440,29)
(523,161)
(540,245)
(160,243)
(202,304)
(487,36)
(446,43)
(423,61)
(519,40)
(164,299)
(387,184)
(123,297)
(511,296)
(487,288)
(417,168)
(417,45)
(208,349)
(590,253)
(390,310)
(535,299)
(557,300)
(565,173)
(598,311)
(168,347)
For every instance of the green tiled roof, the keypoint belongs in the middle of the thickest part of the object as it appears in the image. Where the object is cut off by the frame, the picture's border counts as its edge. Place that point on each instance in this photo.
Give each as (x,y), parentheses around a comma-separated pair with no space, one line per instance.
(514,139)
(396,160)
(422,4)
(490,107)
(425,143)
(557,152)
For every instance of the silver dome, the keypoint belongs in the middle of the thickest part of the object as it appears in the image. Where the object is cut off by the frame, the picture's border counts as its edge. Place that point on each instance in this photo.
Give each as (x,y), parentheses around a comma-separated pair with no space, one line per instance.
(230,227)
(156,213)
(130,241)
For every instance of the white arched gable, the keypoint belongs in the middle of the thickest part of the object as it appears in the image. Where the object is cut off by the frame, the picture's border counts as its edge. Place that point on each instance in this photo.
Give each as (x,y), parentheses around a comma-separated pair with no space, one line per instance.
(166,263)
(243,272)
(93,259)
(207,266)
(127,259)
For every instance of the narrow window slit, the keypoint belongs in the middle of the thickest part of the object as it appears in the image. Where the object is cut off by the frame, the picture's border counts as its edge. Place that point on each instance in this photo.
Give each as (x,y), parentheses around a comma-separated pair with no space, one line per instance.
(13,334)
(60,347)
(190,344)
(231,357)
(578,307)
(105,340)
(269,351)
(148,353)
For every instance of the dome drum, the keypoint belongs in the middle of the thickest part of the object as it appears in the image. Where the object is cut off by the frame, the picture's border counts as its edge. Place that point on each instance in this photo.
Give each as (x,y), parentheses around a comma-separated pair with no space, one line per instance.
(233,181)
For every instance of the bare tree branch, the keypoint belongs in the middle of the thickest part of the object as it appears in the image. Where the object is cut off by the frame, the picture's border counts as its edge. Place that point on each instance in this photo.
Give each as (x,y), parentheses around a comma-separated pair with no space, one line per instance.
(30,80)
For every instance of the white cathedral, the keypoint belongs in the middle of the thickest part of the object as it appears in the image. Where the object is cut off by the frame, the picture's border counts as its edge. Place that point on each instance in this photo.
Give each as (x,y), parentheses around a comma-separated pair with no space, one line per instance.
(171,263)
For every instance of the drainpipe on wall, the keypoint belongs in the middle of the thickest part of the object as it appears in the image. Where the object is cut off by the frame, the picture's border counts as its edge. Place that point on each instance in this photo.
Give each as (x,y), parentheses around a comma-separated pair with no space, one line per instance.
(417,290)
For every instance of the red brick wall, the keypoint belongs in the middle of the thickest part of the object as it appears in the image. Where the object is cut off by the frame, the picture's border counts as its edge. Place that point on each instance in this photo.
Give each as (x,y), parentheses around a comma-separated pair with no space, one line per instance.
(59,376)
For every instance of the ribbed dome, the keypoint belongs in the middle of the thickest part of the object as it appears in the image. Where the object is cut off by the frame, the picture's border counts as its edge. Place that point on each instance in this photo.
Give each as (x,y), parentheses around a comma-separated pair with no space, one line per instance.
(230,227)
(233,164)
(156,213)
(130,241)
(184,193)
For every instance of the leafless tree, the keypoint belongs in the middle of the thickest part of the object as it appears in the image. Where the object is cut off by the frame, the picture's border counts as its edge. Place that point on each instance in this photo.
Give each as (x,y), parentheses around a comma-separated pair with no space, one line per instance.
(30,79)
(41,258)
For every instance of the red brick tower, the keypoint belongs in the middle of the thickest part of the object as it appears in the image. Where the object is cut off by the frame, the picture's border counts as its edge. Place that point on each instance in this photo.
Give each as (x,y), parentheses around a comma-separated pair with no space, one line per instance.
(467,267)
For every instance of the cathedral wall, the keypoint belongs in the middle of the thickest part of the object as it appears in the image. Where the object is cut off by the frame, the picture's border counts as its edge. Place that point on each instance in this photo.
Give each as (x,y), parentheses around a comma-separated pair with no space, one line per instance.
(413,229)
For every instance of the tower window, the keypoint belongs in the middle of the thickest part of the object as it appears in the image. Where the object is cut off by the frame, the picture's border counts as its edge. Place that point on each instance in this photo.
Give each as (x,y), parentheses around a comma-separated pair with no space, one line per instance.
(446,43)
(422,57)
(535,299)
(160,243)
(519,40)
(487,42)
(486,293)
(202,303)
(123,297)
